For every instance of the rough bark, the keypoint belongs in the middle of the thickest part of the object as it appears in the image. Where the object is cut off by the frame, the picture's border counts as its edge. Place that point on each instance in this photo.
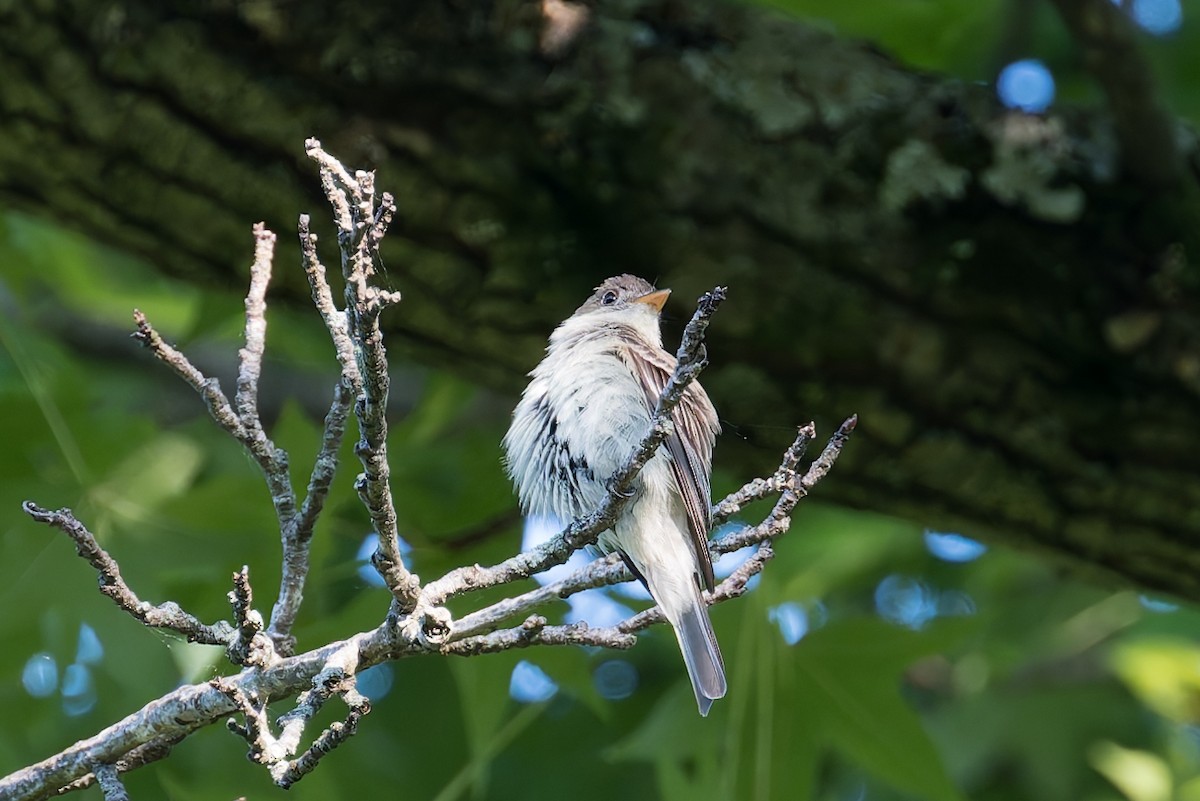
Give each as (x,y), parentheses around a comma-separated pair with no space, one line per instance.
(1007,306)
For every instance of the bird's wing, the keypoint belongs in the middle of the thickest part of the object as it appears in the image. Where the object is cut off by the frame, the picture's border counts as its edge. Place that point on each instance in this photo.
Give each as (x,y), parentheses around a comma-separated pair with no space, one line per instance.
(690,445)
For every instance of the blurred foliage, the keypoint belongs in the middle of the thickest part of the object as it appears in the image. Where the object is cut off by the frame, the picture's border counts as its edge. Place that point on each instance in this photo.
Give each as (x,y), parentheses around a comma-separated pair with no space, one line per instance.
(904,675)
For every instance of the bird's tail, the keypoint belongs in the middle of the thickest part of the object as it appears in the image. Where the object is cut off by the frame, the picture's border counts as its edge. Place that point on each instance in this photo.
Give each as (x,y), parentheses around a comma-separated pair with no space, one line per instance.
(701,654)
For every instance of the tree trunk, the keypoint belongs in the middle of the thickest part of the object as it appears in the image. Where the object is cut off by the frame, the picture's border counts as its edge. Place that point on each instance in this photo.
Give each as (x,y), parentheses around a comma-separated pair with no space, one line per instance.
(1006,306)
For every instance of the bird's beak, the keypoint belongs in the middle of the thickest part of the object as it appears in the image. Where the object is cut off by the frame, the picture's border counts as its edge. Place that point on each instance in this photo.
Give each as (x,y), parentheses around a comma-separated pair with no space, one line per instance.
(655,300)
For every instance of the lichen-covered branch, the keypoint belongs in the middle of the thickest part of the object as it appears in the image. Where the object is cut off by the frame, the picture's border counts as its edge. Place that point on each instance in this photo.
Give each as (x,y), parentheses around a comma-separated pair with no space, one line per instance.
(110,783)
(336,678)
(164,616)
(241,419)
(360,229)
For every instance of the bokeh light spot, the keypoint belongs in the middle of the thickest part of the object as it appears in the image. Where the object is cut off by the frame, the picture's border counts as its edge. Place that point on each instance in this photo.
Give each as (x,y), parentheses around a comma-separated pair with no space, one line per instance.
(78,690)
(1026,85)
(596,608)
(530,684)
(376,682)
(1157,604)
(366,570)
(953,547)
(615,679)
(89,650)
(40,675)
(905,600)
(1159,17)
(792,620)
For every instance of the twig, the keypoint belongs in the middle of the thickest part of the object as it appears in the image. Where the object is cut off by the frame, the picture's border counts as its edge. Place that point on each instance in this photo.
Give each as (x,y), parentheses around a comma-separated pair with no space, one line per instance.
(534,631)
(242,421)
(164,616)
(733,586)
(298,537)
(336,734)
(336,678)
(249,647)
(208,388)
(250,356)
(141,755)
(322,295)
(780,518)
(760,488)
(360,229)
(110,783)
(611,570)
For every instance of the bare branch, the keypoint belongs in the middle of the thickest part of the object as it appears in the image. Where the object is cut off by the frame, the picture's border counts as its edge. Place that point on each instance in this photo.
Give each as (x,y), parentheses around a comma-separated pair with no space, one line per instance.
(534,631)
(250,357)
(325,466)
(167,720)
(353,200)
(298,537)
(734,586)
(336,734)
(163,616)
(336,678)
(335,318)
(241,420)
(611,570)
(141,755)
(780,518)
(250,647)
(760,488)
(208,388)
(110,783)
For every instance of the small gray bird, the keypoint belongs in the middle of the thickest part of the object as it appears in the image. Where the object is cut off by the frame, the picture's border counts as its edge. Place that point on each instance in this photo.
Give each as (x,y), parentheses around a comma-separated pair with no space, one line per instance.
(587,406)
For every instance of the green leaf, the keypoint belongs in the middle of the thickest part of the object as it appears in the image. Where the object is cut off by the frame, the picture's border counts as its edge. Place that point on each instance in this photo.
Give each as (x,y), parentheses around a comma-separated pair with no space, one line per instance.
(848,685)
(1140,775)
(158,471)
(1162,671)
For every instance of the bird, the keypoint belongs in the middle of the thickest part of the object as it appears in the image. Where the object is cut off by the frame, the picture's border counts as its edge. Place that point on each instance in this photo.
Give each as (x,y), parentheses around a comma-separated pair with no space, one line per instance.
(588,404)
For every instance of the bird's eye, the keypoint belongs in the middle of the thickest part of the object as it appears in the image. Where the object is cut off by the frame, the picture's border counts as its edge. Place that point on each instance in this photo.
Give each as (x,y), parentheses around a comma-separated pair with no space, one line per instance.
(609,298)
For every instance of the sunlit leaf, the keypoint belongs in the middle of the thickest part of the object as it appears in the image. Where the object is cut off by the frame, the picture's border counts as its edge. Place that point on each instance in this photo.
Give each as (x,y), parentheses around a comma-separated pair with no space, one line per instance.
(1164,672)
(1140,775)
